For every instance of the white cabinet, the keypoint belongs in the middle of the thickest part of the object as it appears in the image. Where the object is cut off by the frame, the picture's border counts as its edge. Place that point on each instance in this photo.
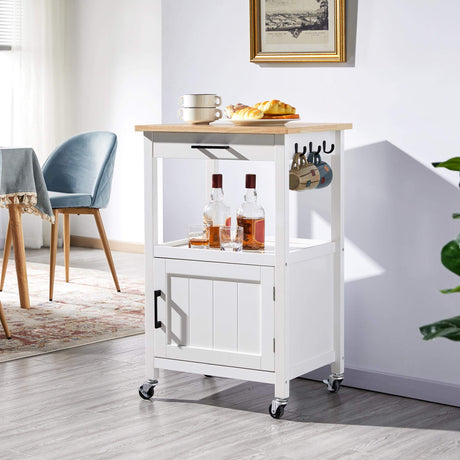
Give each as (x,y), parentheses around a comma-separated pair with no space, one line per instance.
(266,316)
(215,313)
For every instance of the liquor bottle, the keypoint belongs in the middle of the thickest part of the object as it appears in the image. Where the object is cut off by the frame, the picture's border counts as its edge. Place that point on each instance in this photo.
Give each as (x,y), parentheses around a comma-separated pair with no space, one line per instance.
(216,213)
(251,216)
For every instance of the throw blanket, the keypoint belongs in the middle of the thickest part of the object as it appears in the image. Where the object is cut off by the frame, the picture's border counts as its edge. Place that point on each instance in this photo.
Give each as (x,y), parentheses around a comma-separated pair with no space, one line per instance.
(22,182)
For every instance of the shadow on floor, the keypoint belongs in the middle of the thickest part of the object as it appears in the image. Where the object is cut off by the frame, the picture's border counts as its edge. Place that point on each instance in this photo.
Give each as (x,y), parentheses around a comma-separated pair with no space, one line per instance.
(310,402)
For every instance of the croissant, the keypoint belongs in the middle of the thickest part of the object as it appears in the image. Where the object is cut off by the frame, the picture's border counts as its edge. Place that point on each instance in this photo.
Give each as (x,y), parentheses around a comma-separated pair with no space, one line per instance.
(231,109)
(248,113)
(275,107)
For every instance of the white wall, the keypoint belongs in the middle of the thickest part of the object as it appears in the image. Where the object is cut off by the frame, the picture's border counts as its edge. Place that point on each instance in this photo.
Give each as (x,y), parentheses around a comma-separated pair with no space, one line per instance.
(400,88)
(116,84)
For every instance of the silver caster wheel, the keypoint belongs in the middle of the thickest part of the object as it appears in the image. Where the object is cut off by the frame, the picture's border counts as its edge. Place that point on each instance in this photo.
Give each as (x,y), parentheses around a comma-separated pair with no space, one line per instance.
(147,389)
(276,408)
(333,382)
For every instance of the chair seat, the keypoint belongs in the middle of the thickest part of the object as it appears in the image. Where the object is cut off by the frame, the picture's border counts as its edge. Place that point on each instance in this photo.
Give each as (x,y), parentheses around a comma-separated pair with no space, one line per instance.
(69,200)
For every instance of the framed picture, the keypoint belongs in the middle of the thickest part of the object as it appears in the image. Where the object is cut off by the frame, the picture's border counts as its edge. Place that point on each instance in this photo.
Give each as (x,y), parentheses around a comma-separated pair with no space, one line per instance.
(297,30)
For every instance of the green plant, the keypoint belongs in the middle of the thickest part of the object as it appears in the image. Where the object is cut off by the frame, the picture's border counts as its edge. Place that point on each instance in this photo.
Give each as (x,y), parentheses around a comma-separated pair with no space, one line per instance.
(450,258)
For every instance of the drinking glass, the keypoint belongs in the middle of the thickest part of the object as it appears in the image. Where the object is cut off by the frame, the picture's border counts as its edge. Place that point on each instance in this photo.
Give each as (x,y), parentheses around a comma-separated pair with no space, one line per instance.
(231,238)
(198,236)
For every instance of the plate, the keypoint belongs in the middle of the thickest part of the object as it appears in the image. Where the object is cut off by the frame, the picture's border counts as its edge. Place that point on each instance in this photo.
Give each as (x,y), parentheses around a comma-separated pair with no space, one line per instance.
(263,122)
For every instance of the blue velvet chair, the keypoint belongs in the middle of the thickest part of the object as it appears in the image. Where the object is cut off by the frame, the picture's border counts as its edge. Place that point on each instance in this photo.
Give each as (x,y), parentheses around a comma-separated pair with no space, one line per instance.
(78,176)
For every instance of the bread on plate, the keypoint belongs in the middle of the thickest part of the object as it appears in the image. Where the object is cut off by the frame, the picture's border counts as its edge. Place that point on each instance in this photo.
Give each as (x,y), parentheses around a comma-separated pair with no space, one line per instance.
(275,107)
(248,113)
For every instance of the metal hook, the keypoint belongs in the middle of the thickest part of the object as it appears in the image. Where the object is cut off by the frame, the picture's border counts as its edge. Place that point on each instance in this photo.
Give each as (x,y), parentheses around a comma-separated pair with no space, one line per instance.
(328,151)
(304,151)
(311,148)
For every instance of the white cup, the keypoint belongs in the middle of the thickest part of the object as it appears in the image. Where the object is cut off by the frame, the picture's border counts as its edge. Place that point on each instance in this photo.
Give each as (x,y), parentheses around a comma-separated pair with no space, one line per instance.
(199,114)
(199,100)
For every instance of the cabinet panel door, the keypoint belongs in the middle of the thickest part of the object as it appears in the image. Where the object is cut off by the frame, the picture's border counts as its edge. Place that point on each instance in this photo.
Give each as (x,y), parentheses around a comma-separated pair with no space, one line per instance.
(218,313)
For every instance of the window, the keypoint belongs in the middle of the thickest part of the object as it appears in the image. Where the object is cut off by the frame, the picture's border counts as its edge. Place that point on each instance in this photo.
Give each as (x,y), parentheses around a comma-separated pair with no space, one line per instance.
(10,24)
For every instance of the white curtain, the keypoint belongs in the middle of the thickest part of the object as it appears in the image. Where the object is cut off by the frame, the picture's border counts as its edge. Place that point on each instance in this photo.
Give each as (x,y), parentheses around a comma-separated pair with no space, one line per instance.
(39,90)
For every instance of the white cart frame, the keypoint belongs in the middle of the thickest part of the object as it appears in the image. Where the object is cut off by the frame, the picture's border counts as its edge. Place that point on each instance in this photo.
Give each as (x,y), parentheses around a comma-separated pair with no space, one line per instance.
(308,333)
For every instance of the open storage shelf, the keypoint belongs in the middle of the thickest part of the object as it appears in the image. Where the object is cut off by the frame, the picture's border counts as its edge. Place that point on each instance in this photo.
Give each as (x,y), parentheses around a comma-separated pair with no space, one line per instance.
(299,249)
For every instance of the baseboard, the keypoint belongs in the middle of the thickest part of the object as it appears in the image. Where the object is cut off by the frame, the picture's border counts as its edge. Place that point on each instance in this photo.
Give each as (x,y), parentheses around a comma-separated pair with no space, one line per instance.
(95,243)
(426,390)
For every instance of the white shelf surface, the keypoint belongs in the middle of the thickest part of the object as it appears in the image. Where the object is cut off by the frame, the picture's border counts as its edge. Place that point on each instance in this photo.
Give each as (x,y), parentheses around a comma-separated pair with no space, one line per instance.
(299,250)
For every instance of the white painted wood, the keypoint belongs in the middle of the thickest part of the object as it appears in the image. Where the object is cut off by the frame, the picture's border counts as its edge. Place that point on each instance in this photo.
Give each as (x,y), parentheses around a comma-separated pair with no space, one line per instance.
(311,307)
(225,315)
(337,235)
(250,147)
(249,318)
(218,371)
(267,328)
(217,315)
(201,320)
(299,249)
(310,364)
(221,314)
(157,199)
(160,284)
(281,269)
(213,270)
(207,355)
(150,371)
(178,309)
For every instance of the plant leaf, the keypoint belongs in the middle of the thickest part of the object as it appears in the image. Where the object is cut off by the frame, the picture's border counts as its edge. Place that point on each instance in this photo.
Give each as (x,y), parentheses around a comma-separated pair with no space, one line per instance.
(450,256)
(450,291)
(453,164)
(447,328)
(455,215)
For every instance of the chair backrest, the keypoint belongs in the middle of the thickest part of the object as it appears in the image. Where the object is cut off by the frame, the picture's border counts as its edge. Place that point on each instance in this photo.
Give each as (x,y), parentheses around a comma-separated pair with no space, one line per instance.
(83,164)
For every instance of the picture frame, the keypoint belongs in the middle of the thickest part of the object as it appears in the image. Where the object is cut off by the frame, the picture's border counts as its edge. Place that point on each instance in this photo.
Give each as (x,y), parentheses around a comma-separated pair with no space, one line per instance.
(297,31)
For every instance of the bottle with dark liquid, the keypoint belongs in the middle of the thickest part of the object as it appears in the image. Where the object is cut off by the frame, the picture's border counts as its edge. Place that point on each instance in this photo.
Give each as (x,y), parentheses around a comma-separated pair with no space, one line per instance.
(216,213)
(251,216)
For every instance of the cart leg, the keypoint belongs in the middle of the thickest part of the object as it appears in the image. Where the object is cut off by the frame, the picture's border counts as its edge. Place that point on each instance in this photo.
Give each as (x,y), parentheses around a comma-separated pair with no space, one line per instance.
(334,381)
(276,408)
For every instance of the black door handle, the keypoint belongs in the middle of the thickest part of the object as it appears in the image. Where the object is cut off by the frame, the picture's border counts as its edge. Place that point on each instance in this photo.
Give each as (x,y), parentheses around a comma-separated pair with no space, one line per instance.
(156,294)
(226,147)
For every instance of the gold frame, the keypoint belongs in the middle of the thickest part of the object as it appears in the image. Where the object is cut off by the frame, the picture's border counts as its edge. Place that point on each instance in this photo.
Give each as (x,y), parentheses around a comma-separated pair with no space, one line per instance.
(256,54)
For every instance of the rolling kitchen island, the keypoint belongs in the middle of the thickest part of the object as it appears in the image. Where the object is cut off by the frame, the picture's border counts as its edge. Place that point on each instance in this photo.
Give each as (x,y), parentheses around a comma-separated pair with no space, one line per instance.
(266,316)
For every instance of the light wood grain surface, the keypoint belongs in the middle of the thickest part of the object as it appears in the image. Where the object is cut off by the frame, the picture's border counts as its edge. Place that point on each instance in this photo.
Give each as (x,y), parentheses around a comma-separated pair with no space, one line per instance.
(292,127)
(82,403)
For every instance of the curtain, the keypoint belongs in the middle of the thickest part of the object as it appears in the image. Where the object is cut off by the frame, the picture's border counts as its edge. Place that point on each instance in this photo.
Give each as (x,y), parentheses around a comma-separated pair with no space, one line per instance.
(39,89)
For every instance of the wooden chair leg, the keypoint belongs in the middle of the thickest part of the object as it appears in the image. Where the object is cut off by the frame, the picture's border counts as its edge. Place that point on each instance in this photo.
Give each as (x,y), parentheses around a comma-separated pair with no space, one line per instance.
(53,250)
(19,254)
(6,254)
(4,324)
(66,231)
(105,245)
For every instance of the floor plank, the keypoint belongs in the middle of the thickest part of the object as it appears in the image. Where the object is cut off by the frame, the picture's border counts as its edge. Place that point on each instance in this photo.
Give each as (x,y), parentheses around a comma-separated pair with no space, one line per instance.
(83,403)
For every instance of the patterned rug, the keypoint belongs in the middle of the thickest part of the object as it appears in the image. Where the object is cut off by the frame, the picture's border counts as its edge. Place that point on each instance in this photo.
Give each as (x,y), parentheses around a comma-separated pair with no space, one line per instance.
(88,309)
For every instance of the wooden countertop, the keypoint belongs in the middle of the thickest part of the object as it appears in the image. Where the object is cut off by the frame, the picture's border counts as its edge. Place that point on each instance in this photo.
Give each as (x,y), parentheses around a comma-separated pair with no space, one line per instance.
(293,127)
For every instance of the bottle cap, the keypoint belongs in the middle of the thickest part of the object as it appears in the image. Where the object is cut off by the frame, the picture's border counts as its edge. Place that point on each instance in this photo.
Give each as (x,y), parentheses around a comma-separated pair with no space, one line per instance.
(250,181)
(217,181)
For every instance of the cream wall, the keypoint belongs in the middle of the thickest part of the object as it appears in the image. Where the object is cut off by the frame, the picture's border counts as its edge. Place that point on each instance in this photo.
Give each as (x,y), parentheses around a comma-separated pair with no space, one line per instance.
(116,82)
(400,88)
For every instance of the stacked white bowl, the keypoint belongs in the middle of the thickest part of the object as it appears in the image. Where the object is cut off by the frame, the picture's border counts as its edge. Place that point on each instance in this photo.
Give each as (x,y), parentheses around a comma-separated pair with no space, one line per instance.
(199,108)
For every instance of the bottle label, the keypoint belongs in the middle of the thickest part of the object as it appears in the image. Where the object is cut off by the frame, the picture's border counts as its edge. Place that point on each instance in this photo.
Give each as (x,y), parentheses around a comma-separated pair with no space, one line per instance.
(259,230)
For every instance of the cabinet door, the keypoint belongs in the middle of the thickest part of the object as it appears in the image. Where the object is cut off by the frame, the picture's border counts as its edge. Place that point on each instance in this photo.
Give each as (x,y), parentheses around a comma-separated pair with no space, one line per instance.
(215,313)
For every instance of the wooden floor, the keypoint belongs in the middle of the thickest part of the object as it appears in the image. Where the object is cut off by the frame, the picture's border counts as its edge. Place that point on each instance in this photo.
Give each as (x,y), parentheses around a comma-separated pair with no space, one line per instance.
(83,403)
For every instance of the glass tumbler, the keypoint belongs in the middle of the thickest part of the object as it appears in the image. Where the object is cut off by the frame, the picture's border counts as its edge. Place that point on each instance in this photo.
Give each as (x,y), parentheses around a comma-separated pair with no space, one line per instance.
(198,236)
(231,238)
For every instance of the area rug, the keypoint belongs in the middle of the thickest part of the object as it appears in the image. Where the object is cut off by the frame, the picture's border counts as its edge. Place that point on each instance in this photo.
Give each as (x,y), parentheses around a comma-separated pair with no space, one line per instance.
(88,309)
